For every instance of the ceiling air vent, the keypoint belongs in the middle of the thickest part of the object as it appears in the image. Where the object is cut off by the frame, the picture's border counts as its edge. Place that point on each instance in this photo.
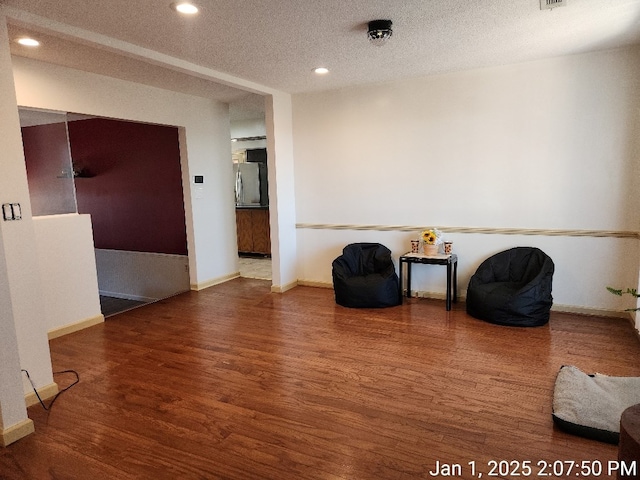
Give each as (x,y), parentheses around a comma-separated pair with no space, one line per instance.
(549,4)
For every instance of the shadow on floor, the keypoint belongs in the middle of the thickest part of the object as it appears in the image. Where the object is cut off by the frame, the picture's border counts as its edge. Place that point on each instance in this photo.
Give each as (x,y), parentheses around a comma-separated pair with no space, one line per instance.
(250,267)
(110,306)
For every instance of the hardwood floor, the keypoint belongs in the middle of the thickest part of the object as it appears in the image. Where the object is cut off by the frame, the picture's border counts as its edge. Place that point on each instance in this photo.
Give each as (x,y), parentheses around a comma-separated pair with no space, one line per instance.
(234,382)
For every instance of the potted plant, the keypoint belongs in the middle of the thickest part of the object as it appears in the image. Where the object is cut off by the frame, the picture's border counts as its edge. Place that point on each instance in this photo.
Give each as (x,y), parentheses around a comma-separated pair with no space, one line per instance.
(631,291)
(431,238)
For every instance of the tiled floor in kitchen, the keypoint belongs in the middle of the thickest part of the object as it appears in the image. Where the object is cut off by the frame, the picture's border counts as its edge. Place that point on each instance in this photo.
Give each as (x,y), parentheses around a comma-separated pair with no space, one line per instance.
(255,267)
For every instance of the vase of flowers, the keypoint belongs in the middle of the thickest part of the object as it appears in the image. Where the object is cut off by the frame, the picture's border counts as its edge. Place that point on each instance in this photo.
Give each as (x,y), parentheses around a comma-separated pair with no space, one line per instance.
(431,238)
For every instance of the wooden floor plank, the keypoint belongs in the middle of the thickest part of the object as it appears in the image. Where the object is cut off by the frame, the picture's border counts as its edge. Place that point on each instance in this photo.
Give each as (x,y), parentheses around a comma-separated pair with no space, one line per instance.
(234,382)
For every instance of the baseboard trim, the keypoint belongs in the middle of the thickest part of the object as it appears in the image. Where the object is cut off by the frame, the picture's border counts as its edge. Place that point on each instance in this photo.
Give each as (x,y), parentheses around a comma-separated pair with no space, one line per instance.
(126,296)
(310,283)
(74,327)
(560,308)
(16,432)
(46,392)
(432,295)
(597,312)
(594,312)
(214,281)
(284,288)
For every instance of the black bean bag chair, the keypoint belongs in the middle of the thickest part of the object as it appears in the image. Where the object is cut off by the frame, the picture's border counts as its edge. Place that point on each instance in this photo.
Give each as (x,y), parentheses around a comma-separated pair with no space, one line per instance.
(512,288)
(364,277)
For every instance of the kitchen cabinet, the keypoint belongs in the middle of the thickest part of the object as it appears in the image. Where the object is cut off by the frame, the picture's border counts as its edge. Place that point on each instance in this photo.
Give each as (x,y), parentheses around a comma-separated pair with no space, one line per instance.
(254,235)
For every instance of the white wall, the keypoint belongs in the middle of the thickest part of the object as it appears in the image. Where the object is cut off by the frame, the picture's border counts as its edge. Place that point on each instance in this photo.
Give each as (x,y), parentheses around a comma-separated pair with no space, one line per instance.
(67,269)
(23,340)
(204,147)
(248,128)
(282,199)
(548,145)
(254,127)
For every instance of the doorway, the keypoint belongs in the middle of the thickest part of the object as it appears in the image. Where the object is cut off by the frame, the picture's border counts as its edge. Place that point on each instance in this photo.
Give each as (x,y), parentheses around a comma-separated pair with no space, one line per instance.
(127,177)
(249,157)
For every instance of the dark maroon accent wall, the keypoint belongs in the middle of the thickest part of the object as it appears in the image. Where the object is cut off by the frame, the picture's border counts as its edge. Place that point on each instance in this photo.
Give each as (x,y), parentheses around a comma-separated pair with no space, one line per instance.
(46,154)
(134,192)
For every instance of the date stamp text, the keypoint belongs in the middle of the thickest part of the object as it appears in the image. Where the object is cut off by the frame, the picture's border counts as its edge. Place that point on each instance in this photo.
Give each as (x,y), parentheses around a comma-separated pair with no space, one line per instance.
(541,469)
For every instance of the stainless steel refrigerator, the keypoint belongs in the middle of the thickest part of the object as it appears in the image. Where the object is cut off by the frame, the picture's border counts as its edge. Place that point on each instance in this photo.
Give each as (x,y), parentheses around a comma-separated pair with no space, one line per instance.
(247,186)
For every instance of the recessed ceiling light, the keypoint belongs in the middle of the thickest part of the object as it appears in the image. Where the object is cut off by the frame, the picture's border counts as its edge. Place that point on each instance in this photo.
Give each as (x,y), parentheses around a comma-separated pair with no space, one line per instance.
(28,42)
(185,7)
(321,70)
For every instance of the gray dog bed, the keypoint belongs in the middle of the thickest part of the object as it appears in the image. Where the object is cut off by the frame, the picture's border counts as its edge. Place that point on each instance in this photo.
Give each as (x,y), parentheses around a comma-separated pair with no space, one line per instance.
(591,405)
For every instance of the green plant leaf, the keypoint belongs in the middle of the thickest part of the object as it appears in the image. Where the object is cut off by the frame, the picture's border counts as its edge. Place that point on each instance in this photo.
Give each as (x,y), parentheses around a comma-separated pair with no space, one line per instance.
(615,291)
(630,291)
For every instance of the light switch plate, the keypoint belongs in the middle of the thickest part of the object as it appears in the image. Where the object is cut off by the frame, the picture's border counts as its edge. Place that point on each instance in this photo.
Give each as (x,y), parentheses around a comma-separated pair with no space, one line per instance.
(11,211)
(17,211)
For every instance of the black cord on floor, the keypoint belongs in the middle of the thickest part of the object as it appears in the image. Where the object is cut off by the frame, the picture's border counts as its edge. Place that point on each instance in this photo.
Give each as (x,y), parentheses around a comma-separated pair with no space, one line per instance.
(57,394)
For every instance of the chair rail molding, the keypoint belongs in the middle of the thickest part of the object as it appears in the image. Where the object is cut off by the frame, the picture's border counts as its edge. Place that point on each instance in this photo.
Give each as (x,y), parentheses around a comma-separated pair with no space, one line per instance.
(476,230)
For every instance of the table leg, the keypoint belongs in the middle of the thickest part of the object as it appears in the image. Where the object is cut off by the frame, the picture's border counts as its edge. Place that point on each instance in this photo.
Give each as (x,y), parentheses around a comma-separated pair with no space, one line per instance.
(408,279)
(455,282)
(400,280)
(448,286)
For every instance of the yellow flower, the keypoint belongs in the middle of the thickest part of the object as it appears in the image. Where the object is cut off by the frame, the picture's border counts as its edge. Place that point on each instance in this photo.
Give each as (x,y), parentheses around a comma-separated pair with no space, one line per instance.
(431,236)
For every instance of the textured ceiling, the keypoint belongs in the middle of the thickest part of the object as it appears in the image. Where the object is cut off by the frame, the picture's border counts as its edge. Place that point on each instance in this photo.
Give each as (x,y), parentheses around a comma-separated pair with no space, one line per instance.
(277,43)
